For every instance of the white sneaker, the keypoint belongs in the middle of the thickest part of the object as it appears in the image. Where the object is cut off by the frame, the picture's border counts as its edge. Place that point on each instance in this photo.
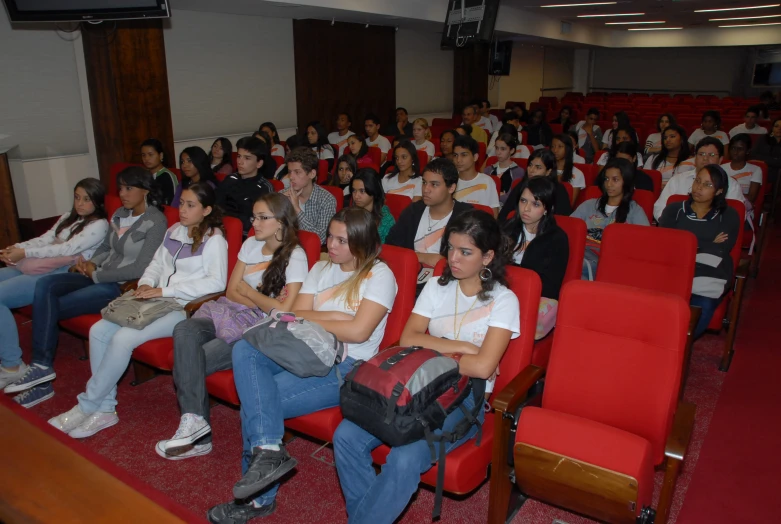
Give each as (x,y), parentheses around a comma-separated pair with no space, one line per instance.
(94,423)
(70,420)
(182,452)
(9,377)
(191,428)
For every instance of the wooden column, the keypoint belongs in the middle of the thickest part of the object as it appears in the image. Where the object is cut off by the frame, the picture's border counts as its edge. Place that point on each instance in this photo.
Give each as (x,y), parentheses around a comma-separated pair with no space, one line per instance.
(9,217)
(470,74)
(128,89)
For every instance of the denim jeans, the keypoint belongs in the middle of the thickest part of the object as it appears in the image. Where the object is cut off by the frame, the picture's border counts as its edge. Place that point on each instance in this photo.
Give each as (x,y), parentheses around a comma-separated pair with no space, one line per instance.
(708,306)
(377,499)
(61,296)
(270,394)
(110,349)
(16,290)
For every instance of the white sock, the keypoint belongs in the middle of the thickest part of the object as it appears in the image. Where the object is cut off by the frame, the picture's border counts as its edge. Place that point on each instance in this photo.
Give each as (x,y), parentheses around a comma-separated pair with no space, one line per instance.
(255,504)
(272,447)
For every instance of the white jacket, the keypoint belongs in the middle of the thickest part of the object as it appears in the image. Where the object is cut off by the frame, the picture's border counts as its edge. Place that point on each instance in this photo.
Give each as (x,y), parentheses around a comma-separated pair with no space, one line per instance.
(681,184)
(50,244)
(185,275)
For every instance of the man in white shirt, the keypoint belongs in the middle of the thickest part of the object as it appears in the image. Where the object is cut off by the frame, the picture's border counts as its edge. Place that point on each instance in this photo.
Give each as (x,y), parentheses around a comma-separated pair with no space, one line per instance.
(374,139)
(492,124)
(338,139)
(473,187)
(709,151)
(750,125)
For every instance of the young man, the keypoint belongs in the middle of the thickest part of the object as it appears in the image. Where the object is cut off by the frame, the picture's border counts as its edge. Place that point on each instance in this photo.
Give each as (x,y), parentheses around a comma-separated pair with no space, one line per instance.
(401,127)
(748,176)
(470,117)
(373,137)
(314,205)
(237,193)
(589,134)
(485,112)
(422,224)
(750,124)
(473,187)
(709,151)
(338,139)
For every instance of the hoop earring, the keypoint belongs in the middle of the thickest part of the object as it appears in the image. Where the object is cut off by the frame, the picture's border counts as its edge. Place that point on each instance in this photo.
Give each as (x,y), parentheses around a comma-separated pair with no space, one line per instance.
(485,274)
(275,235)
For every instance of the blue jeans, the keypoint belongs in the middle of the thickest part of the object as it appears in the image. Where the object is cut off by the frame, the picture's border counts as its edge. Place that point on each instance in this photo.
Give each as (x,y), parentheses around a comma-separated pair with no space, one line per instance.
(377,499)
(708,306)
(61,296)
(16,290)
(270,394)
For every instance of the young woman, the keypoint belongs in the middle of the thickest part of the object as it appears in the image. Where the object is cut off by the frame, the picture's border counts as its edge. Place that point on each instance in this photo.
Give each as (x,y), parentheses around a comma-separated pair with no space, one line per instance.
(711,121)
(77,233)
(277,149)
(768,149)
(422,136)
(446,140)
(521,151)
(621,135)
(359,151)
(673,158)
(405,179)
(541,163)
(564,119)
(620,119)
(715,224)
(196,170)
(505,167)
(468,313)
(561,146)
(349,295)
(345,170)
(366,192)
(191,262)
(155,160)
(541,246)
(268,274)
(137,229)
(221,157)
(615,205)
(653,144)
(317,138)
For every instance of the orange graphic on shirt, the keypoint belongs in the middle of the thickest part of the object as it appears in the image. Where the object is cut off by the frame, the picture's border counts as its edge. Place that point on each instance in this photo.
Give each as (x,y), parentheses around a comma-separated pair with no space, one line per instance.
(444,324)
(422,245)
(254,268)
(461,193)
(744,174)
(402,189)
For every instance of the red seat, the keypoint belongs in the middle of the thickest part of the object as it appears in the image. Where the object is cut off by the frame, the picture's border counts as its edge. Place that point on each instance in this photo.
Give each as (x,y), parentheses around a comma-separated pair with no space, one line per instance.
(234,160)
(598,155)
(114,170)
(311,244)
(397,204)
(171,215)
(338,194)
(590,172)
(278,159)
(422,159)
(322,171)
(556,128)
(568,188)
(481,207)
(278,185)
(656,179)
(481,153)
(376,155)
(608,405)
(523,163)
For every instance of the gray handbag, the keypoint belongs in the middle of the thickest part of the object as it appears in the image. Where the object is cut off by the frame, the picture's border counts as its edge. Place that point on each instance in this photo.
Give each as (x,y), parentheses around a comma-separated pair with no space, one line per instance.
(128,311)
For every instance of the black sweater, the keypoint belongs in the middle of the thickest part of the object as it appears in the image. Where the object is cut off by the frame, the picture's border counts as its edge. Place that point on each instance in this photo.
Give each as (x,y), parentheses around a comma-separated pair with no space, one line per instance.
(546,255)
(562,204)
(236,196)
(402,234)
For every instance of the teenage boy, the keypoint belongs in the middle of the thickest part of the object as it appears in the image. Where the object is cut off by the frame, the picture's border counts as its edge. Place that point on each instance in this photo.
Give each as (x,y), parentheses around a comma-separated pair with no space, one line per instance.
(314,205)
(422,224)
(589,134)
(237,193)
(338,139)
(470,117)
(748,176)
(749,125)
(401,127)
(473,187)
(709,151)
(373,137)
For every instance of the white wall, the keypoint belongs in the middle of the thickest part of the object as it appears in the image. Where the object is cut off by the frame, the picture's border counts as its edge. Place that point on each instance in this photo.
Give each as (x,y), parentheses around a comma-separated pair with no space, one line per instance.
(424,73)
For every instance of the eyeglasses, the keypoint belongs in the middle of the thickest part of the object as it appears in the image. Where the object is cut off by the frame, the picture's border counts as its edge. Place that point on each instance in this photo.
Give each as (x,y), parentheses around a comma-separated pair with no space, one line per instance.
(706,185)
(703,154)
(253,218)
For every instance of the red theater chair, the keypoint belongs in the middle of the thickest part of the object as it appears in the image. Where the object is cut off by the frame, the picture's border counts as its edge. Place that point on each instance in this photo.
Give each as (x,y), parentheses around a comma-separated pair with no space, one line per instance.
(656,179)
(338,194)
(114,170)
(422,159)
(609,411)
(397,204)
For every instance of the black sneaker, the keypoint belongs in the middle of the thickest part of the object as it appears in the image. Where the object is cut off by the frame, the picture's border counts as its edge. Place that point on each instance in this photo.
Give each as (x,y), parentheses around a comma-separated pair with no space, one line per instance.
(235,513)
(267,466)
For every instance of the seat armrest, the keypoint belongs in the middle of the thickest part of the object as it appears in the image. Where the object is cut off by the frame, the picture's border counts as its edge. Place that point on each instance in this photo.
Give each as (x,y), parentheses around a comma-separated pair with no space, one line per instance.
(127,286)
(195,305)
(683,425)
(507,399)
(696,313)
(742,271)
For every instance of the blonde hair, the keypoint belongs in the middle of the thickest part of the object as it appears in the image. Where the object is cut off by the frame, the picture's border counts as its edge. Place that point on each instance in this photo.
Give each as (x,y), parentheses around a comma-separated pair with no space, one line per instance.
(363,240)
(422,122)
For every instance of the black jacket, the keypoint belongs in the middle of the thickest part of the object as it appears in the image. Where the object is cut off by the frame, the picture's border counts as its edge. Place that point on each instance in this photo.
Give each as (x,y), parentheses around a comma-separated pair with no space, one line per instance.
(402,234)
(562,205)
(546,255)
(768,150)
(236,195)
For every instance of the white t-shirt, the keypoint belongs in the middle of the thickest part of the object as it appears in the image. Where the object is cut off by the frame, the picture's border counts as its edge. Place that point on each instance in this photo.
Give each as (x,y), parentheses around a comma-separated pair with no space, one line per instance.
(278,150)
(654,140)
(518,254)
(256,262)
(522,152)
(577,159)
(125,223)
(578,180)
(339,141)
(744,177)
(741,128)
(411,188)
(325,153)
(381,142)
(668,171)
(428,146)
(485,123)
(379,287)
(428,238)
(606,136)
(699,134)
(479,190)
(495,124)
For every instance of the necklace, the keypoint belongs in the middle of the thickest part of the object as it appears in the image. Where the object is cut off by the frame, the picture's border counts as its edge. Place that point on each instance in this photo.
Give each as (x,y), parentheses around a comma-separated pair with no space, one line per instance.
(430,225)
(458,331)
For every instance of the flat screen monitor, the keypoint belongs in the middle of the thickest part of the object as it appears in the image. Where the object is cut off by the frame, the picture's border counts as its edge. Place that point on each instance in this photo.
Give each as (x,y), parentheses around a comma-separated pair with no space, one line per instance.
(468,22)
(84,10)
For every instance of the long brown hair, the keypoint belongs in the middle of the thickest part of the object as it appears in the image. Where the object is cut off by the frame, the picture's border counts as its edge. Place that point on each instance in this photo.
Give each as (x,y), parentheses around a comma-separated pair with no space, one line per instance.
(206,196)
(363,239)
(274,277)
(97,194)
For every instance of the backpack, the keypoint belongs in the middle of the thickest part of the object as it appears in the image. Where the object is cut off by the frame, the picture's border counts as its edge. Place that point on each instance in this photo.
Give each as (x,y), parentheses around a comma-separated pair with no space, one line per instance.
(404,394)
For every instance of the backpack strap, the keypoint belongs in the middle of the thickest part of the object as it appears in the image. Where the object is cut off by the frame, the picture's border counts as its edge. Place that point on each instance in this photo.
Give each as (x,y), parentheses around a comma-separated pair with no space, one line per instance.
(398,389)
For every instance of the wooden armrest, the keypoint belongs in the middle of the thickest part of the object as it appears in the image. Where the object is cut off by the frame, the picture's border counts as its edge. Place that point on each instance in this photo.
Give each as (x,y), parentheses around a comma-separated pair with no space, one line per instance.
(742,271)
(195,305)
(507,400)
(683,425)
(696,313)
(127,286)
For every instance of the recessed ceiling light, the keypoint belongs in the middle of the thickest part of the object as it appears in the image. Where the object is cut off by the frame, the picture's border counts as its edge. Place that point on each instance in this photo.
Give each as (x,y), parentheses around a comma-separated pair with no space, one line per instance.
(751,25)
(579,5)
(742,18)
(615,14)
(638,22)
(735,8)
(653,28)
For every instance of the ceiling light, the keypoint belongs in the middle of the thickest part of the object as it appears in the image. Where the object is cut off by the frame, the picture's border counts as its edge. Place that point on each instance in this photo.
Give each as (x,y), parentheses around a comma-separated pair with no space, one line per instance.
(615,14)
(751,25)
(653,28)
(579,5)
(638,22)
(735,8)
(742,18)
